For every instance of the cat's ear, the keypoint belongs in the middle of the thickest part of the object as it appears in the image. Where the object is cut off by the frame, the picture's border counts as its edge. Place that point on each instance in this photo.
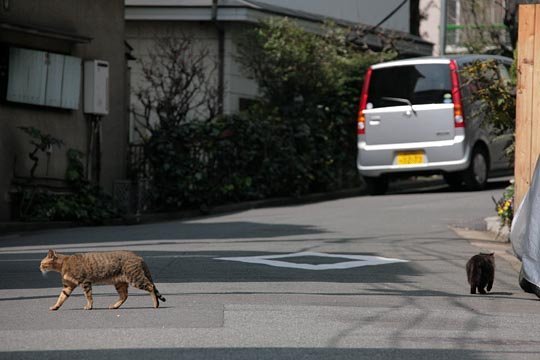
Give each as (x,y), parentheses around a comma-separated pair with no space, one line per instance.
(52,254)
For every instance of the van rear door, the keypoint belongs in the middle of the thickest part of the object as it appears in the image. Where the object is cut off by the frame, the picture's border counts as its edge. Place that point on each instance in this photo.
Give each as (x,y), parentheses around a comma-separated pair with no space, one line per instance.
(409,103)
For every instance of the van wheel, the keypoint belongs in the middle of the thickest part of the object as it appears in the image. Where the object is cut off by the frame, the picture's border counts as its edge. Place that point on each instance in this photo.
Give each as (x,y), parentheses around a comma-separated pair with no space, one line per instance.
(476,175)
(376,185)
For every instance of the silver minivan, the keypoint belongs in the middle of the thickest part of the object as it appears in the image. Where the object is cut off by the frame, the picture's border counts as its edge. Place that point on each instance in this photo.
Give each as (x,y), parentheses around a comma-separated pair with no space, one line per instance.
(416,117)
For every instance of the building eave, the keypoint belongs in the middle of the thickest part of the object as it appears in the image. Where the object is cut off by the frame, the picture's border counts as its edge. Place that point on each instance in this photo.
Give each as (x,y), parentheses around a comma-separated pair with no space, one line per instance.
(248,11)
(45,33)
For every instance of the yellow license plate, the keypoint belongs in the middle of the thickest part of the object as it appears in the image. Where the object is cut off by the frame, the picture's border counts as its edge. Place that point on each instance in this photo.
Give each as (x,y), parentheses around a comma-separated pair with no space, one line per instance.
(410,158)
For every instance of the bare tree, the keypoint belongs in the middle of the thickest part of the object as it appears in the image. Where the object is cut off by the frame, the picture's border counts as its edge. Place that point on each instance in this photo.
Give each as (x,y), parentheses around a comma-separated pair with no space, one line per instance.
(177,97)
(178,85)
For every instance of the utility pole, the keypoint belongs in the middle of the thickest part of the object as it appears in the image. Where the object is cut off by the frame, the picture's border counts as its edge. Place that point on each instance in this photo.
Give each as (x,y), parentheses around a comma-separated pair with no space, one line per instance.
(221,56)
(442,29)
(527,105)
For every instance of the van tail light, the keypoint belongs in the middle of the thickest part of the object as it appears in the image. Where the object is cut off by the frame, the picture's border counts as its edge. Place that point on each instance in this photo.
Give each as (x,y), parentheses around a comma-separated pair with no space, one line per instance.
(363,103)
(459,120)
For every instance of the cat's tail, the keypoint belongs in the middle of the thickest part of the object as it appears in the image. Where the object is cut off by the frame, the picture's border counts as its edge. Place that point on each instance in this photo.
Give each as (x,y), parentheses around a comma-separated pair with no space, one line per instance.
(159,296)
(149,277)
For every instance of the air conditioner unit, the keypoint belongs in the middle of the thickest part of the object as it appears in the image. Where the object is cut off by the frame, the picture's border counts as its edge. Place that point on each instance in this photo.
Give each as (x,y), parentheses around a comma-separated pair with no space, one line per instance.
(96,87)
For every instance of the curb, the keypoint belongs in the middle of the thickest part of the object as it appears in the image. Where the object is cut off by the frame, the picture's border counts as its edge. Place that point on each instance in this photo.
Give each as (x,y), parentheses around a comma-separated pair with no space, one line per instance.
(493,224)
(495,238)
(417,184)
(488,241)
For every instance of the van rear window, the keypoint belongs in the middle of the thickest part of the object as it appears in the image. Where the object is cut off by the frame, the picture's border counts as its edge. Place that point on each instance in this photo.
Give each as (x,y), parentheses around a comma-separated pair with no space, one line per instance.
(419,84)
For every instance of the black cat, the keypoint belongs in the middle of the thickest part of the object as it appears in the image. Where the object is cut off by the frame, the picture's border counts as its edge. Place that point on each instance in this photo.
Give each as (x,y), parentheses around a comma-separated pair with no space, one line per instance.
(481,272)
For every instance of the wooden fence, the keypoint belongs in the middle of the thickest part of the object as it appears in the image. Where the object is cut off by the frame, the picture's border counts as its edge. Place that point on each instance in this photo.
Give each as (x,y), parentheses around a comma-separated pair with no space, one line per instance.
(528,98)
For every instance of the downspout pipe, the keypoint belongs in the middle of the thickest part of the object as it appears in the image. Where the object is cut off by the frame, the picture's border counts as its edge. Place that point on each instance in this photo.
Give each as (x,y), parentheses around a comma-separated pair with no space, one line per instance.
(442,29)
(221,56)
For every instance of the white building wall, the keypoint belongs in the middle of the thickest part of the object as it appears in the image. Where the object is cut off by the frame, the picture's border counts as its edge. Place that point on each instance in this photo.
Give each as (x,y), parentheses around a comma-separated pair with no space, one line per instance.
(237,84)
(430,25)
(141,35)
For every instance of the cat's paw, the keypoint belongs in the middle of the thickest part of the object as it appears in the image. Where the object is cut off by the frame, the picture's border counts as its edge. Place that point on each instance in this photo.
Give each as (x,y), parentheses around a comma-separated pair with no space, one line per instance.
(88,307)
(54,308)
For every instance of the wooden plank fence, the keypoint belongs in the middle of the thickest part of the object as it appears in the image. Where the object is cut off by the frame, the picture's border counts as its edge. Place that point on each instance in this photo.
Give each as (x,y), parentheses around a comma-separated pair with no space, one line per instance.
(528,99)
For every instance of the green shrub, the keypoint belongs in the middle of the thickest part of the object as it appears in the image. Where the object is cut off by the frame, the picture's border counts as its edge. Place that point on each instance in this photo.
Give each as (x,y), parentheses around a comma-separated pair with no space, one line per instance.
(84,203)
(496,97)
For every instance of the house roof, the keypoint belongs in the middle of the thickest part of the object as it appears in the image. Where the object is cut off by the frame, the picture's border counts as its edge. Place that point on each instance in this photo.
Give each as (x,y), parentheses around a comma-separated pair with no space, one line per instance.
(229,4)
(252,11)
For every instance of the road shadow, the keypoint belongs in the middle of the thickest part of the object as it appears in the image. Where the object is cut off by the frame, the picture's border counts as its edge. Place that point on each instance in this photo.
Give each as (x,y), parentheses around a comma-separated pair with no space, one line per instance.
(204,267)
(257,353)
(435,185)
(174,230)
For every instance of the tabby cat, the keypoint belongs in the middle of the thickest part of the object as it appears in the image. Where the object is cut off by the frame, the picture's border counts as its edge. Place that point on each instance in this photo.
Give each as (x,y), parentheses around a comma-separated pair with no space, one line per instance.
(119,268)
(481,272)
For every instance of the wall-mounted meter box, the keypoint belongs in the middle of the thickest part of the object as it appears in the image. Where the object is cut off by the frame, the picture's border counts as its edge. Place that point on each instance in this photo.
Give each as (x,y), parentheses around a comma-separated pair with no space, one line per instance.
(96,87)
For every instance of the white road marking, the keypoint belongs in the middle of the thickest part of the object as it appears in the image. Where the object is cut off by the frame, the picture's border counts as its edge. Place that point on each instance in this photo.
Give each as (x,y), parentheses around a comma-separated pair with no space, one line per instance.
(358,261)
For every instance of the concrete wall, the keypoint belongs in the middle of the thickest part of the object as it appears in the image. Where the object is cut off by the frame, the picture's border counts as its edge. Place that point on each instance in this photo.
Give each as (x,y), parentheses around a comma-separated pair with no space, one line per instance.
(237,84)
(101,20)
(430,24)
(141,35)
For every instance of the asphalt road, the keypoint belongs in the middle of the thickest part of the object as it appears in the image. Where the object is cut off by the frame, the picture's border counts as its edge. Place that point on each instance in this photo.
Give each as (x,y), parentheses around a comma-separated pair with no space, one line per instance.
(328,302)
